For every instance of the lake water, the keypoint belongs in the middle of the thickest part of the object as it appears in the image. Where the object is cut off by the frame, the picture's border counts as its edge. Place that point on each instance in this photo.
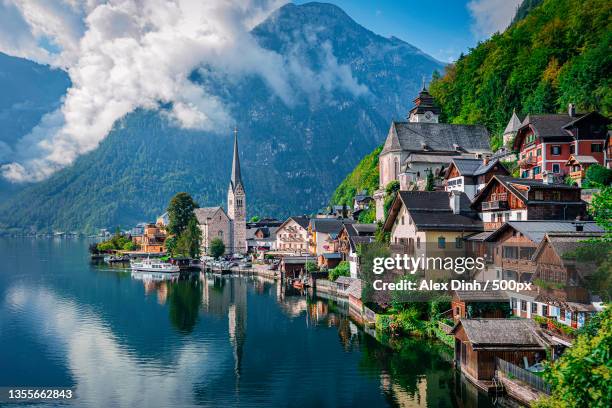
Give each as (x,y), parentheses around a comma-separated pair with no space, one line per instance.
(120,341)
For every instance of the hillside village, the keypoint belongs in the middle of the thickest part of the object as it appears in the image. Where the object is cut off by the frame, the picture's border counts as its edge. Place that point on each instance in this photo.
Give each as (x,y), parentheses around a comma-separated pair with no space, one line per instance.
(443,192)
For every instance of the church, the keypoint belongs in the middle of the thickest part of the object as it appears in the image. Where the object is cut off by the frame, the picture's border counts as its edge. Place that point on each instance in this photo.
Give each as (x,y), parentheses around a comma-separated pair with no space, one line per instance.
(229,226)
(422,144)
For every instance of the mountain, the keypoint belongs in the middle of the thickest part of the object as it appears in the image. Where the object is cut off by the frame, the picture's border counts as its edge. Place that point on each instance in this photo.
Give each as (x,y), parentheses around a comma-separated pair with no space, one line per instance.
(29,90)
(556,52)
(292,155)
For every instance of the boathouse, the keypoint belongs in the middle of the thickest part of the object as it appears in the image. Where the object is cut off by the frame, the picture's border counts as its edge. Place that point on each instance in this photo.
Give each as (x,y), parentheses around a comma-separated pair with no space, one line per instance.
(478,342)
(480,303)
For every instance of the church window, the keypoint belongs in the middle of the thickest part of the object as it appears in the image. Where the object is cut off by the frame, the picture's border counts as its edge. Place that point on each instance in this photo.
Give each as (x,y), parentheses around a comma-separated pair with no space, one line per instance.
(395,169)
(220,234)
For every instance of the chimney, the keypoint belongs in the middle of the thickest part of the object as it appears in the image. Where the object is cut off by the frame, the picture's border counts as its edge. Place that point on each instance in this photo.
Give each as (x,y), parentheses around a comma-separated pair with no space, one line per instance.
(571,110)
(579,224)
(485,160)
(455,201)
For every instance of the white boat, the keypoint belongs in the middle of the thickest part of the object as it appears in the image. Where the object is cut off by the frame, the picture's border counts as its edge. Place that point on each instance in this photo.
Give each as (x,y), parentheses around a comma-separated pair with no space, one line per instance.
(153,265)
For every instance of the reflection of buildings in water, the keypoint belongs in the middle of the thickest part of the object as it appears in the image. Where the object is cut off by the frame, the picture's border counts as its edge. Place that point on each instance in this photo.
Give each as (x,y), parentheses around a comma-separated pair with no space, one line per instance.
(156,282)
(293,306)
(237,321)
(162,293)
(403,397)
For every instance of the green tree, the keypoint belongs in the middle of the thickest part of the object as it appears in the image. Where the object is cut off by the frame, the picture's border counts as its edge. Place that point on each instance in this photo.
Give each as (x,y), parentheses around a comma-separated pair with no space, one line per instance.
(429,186)
(582,377)
(601,210)
(255,218)
(193,238)
(311,266)
(598,176)
(217,247)
(343,269)
(180,212)
(391,190)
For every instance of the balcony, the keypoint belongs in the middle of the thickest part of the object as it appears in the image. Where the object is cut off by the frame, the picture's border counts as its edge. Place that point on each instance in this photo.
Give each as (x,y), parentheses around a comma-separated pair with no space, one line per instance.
(577,175)
(528,162)
(497,201)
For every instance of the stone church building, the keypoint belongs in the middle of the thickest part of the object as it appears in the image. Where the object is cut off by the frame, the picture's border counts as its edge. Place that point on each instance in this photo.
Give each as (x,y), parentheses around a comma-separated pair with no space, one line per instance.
(230,226)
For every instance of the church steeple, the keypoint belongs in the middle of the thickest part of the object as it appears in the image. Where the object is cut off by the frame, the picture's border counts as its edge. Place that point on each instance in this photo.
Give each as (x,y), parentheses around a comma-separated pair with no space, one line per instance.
(236,178)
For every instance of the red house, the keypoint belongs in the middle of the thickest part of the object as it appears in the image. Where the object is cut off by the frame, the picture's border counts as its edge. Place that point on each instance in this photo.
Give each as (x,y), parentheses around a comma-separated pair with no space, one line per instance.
(546,142)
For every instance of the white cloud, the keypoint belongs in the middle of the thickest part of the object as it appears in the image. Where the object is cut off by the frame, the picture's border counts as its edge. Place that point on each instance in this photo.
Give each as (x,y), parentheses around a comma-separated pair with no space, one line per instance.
(490,16)
(127,54)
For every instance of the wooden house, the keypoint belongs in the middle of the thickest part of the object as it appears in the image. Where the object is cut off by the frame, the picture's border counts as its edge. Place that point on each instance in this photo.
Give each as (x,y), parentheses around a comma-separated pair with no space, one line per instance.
(510,199)
(478,342)
(577,166)
(351,236)
(470,175)
(480,304)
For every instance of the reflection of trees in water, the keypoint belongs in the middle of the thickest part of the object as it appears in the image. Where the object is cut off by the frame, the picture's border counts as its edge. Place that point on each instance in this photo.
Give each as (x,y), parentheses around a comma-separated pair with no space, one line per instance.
(184,301)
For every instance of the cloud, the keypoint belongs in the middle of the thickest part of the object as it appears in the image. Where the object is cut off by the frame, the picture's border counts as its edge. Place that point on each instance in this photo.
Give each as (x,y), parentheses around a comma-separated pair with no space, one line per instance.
(490,16)
(127,54)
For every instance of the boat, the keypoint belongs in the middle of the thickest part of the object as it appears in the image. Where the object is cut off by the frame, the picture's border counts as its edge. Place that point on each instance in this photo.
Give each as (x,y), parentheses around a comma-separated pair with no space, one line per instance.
(153,265)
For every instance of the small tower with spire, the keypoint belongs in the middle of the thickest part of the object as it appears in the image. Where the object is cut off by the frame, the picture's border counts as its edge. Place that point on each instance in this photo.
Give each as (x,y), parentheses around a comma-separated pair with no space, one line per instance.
(425,108)
(236,204)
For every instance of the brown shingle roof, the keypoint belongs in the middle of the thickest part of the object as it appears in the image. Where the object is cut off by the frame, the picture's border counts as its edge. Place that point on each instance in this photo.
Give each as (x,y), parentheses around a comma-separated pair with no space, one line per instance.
(484,333)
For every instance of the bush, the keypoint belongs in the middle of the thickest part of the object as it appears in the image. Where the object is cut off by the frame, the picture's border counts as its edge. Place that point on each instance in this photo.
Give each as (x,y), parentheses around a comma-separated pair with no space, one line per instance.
(217,248)
(311,266)
(343,269)
(597,176)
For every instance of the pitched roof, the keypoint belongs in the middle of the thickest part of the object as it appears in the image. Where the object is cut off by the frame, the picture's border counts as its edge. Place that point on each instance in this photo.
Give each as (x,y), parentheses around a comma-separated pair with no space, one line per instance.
(563,242)
(358,240)
(513,124)
(475,167)
(355,289)
(205,213)
(364,229)
(497,333)
(345,280)
(328,225)
(481,236)
(430,210)
(583,159)
(415,136)
(548,125)
(535,230)
(481,295)
(301,220)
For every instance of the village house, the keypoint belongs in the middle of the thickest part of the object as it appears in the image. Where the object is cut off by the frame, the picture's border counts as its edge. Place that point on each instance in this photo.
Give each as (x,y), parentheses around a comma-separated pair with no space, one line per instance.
(431,223)
(214,223)
(152,240)
(479,304)
(350,237)
(261,239)
(163,220)
(471,175)
(546,142)
(362,201)
(323,234)
(422,144)
(577,166)
(292,235)
(479,342)
(510,199)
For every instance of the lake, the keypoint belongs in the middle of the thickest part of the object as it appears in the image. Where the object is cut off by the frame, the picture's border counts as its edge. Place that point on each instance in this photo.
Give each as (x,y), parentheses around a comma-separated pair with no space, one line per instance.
(129,341)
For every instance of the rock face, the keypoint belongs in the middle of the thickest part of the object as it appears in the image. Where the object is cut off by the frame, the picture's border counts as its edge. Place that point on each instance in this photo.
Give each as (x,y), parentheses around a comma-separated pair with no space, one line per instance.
(292,155)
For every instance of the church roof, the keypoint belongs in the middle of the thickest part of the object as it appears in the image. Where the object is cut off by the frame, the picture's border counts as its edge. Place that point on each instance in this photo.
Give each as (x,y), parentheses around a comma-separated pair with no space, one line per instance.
(443,137)
(236,177)
(206,213)
(513,124)
(424,102)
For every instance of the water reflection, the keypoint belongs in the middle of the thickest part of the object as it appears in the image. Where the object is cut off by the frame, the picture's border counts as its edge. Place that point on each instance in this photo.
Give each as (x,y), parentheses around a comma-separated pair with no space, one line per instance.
(205,340)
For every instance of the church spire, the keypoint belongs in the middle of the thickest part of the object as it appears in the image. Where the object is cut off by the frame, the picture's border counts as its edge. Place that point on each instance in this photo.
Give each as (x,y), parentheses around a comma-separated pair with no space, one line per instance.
(236,179)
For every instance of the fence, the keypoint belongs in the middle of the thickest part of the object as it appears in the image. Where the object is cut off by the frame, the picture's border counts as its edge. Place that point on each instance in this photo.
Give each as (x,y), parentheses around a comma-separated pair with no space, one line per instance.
(525,376)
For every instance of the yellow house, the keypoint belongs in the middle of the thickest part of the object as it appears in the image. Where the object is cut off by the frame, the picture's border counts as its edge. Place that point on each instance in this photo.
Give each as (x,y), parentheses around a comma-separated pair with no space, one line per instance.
(431,223)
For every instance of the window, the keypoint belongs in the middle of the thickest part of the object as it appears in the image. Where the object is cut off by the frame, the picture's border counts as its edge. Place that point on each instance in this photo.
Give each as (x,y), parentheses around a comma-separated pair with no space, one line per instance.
(220,234)
(555,150)
(539,152)
(539,195)
(402,220)
(523,305)
(525,174)
(506,216)
(562,314)
(510,252)
(536,170)
(514,303)
(458,242)
(534,308)
(572,149)
(418,242)
(596,148)
(499,217)
(556,168)
(526,252)
(544,310)
(519,216)
(441,242)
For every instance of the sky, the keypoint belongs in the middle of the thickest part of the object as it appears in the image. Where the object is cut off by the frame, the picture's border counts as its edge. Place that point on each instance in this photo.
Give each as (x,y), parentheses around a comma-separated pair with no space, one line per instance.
(443,28)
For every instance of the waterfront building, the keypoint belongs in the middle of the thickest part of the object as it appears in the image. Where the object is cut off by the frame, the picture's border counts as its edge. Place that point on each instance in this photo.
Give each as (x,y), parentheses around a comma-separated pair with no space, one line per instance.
(479,304)
(261,239)
(151,240)
(510,199)
(350,237)
(163,220)
(469,175)
(323,234)
(546,142)
(214,223)
(478,342)
(422,144)
(292,235)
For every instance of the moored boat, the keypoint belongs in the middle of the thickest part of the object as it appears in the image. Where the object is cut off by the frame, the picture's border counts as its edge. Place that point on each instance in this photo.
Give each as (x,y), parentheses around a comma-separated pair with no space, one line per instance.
(153,265)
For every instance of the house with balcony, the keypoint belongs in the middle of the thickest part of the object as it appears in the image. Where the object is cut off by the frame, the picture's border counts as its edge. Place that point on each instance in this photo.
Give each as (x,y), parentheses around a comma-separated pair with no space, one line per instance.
(470,175)
(510,199)
(546,142)
(349,239)
(578,166)
(323,235)
(292,235)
